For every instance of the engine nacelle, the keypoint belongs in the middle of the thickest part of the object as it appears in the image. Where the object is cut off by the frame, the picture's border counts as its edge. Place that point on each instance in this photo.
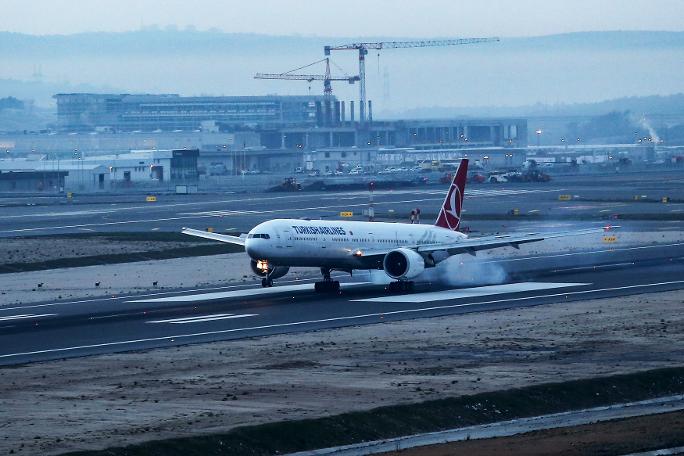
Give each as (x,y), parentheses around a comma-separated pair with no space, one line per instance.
(263,268)
(403,264)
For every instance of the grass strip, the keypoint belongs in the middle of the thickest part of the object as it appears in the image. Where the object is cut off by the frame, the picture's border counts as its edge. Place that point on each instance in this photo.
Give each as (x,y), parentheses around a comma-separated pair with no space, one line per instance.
(400,420)
(75,262)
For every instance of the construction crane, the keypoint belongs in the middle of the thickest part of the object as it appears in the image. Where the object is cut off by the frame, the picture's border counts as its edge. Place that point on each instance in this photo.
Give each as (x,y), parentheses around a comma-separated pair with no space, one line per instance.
(326,78)
(363,48)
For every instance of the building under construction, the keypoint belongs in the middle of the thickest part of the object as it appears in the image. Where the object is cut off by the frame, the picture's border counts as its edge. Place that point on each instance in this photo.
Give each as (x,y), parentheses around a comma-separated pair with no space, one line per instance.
(280,122)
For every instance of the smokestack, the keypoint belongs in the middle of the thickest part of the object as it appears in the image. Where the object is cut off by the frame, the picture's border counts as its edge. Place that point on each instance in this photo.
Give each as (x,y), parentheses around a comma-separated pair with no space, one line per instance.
(319,114)
(343,117)
(351,110)
(370,111)
(328,113)
(337,113)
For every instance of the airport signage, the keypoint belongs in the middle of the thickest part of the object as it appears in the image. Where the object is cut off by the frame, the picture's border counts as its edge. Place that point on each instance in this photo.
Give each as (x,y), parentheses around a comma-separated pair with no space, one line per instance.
(564,197)
(346,214)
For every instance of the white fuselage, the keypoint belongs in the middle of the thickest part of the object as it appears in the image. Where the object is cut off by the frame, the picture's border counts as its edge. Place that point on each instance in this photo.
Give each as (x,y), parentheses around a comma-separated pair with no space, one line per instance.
(336,244)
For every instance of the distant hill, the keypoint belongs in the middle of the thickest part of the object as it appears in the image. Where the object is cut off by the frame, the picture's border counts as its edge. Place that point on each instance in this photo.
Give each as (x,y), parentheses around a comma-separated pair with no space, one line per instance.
(555,70)
(212,42)
(670,105)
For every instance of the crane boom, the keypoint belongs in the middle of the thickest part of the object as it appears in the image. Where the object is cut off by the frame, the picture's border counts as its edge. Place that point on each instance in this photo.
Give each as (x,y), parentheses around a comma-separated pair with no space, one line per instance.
(326,78)
(305,77)
(363,48)
(408,44)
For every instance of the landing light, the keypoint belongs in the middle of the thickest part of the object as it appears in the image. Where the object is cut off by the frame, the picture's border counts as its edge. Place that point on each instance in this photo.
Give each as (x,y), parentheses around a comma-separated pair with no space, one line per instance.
(358,253)
(262,265)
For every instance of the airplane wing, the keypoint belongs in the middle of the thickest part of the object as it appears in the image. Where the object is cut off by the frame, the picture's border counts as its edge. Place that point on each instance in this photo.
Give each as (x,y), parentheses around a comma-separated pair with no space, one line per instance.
(473,245)
(214,236)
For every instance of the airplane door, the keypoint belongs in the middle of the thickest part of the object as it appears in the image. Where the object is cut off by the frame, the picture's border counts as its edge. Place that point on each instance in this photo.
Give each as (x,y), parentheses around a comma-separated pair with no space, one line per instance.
(279,244)
(288,238)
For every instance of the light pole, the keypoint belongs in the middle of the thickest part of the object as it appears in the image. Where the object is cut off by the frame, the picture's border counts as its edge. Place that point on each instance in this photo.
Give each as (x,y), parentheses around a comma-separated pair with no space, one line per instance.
(539,133)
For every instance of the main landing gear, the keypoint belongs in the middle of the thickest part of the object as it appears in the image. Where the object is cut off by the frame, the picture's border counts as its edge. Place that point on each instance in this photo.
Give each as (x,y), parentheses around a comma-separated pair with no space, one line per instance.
(400,286)
(328,285)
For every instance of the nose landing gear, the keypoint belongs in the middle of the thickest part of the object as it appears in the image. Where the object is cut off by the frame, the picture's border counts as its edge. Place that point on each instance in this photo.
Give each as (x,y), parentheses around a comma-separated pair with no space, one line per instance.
(328,285)
(267,282)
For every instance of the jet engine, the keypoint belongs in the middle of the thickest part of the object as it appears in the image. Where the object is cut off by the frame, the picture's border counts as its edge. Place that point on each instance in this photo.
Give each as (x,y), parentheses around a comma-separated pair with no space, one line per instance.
(403,264)
(263,268)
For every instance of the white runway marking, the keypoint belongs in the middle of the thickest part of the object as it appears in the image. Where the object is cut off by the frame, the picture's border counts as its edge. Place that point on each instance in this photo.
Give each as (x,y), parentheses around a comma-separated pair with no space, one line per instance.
(25,317)
(472,292)
(243,293)
(326,320)
(202,318)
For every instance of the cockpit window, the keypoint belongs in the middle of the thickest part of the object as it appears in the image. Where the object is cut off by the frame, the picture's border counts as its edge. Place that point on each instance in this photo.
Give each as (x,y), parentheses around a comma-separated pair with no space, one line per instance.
(258,236)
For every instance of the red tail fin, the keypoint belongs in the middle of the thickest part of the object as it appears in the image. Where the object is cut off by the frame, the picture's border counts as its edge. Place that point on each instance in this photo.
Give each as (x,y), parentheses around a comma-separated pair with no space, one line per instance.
(450,215)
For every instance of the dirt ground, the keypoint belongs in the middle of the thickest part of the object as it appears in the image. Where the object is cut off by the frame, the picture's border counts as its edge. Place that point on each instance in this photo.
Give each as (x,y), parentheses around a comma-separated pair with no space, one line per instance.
(33,250)
(613,437)
(102,401)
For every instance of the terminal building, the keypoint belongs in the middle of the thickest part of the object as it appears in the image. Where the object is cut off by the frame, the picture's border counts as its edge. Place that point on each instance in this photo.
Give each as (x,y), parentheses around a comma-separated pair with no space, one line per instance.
(169,112)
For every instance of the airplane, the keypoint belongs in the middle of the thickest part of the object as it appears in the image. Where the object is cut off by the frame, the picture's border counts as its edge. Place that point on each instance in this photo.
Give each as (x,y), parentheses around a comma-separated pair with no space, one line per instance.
(402,250)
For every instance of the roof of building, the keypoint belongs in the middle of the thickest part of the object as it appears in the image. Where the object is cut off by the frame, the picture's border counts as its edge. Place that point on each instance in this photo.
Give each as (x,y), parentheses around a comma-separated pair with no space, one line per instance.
(173,97)
(48,166)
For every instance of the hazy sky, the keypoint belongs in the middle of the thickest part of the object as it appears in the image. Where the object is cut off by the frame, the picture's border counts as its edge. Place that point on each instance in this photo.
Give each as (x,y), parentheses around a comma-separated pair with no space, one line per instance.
(411,18)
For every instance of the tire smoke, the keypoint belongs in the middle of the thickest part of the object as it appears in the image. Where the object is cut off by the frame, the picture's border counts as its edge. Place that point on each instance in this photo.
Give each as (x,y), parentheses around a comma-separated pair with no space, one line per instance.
(464,270)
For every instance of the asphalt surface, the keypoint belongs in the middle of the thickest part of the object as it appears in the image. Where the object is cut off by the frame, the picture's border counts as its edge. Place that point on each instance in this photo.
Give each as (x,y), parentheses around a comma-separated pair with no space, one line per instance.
(53,330)
(595,198)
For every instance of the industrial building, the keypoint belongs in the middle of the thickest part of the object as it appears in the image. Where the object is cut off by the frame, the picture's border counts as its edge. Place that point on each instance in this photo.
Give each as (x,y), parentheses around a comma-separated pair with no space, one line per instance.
(31,180)
(400,133)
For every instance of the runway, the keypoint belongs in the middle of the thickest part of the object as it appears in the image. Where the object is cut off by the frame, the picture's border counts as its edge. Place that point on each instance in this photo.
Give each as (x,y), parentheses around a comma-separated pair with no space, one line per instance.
(54,330)
(241,212)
